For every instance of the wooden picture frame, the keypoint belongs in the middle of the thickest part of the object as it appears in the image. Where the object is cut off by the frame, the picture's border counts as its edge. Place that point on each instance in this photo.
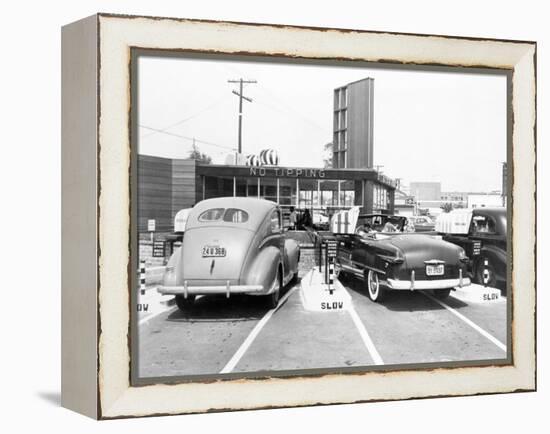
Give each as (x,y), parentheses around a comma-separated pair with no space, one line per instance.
(96,214)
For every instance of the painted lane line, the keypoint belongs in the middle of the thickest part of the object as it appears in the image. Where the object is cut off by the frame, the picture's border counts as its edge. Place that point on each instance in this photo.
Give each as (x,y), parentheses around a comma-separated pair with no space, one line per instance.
(153,315)
(255,331)
(365,336)
(469,322)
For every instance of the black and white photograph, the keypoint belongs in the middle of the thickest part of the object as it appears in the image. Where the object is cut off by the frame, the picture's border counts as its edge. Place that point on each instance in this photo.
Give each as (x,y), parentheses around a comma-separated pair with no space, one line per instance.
(275,217)
(299,217)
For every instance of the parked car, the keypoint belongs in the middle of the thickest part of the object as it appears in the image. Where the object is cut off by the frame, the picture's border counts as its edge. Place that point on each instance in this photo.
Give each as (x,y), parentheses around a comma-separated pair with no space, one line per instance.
(378,249)
(232,246)
(422,223)
(482,232)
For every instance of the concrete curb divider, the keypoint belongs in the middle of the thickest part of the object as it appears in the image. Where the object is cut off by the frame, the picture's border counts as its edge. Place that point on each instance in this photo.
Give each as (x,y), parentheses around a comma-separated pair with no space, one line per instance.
(316,296)
(477,293)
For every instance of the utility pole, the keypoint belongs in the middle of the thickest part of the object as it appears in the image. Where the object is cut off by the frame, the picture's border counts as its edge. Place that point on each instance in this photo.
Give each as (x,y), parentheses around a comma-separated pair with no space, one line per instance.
(241,82)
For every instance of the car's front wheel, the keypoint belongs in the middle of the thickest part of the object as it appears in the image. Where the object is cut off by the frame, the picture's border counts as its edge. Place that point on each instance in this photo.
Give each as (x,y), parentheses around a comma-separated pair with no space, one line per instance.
(374,288)
(184,303)
(485,271)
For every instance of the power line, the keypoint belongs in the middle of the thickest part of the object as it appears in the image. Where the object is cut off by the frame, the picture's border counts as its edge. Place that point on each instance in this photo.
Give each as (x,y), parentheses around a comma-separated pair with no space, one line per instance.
(200,112)
(157,130)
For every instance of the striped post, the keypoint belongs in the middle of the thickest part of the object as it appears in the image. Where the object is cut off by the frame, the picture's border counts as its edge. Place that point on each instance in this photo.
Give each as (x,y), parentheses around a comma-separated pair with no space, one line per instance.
(331,275)
(331,259)
(485,272)
(142,276)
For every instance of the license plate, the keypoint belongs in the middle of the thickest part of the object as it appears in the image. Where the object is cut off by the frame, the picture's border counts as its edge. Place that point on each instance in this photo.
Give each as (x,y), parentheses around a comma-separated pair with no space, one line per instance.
(213,252)
(435,270)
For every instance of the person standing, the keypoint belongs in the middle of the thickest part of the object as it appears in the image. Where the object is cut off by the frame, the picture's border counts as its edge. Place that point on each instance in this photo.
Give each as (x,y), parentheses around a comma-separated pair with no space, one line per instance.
(292,218)
(307,221)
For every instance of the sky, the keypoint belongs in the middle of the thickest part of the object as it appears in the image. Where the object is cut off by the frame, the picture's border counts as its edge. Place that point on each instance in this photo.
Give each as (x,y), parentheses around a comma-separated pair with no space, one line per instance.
(448,127)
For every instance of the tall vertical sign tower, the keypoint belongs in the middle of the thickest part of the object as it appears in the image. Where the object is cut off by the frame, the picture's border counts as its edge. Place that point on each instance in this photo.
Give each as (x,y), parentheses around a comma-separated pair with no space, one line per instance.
(352,143)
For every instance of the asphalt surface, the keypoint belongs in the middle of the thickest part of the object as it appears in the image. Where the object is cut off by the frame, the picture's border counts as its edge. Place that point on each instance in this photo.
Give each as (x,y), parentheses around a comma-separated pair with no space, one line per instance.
(220,335)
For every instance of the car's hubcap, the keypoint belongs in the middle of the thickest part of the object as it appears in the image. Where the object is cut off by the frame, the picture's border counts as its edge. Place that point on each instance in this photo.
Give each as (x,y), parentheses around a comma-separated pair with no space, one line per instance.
(486,272)
(373,284)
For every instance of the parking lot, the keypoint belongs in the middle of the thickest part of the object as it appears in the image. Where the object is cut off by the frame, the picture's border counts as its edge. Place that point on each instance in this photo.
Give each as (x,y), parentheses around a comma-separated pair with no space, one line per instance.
(236,335)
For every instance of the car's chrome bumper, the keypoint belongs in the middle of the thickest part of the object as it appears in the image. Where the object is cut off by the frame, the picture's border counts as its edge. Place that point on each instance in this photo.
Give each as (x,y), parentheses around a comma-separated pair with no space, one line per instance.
(414,284)
(227,289)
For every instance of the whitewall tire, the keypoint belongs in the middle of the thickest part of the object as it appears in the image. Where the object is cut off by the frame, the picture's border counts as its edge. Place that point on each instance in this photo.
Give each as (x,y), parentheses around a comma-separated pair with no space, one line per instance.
(374,288)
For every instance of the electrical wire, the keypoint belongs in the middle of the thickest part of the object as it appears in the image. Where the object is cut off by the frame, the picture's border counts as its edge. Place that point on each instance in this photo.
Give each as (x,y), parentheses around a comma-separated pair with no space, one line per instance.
(193,116)
(204,142)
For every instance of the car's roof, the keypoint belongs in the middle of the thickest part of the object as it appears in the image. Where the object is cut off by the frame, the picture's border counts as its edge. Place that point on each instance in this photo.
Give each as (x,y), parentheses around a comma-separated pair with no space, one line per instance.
(383,215)
(257,210)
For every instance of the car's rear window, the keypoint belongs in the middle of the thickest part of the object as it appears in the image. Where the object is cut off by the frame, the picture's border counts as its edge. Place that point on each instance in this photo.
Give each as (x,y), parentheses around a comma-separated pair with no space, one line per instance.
(230,215)
(235,215)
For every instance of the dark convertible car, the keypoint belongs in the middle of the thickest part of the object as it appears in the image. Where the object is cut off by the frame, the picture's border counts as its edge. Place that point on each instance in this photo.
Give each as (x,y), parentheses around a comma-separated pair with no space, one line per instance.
(380,250)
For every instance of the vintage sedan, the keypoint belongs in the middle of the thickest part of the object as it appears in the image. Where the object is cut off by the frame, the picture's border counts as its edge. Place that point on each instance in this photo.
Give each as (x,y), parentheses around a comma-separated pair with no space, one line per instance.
(232,245)
(379,249)
(422,223)
(482,232)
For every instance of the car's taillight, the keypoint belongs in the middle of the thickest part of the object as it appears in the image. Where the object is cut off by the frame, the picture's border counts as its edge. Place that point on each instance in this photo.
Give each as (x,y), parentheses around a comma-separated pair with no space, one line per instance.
(397,259)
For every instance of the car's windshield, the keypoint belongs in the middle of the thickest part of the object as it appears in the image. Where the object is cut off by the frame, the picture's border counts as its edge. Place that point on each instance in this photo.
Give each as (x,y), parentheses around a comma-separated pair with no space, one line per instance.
(230,215)
(380,223)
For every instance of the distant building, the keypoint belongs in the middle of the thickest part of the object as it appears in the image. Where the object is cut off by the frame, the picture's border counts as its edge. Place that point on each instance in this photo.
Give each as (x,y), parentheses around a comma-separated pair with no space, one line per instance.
(353,125)
(404,204)
(425,191)
(456,198)
(428,198)
(484,200)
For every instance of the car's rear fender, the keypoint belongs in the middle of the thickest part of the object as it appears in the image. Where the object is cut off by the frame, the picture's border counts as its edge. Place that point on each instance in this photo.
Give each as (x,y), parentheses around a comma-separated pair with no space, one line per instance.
(292,252)
(174,269)
(263,269)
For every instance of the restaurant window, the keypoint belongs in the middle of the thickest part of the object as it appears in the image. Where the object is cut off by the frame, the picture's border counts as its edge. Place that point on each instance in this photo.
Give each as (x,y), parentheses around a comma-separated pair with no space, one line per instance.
(307,188)
(347,193)
(241,187)
(329,193)
(217,187)
(252,187)
(268,189)
(287,191)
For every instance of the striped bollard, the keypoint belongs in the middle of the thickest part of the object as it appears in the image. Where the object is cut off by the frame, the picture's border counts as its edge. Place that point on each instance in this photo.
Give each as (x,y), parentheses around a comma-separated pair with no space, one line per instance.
(142,276)
(331,275)
(485,273)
